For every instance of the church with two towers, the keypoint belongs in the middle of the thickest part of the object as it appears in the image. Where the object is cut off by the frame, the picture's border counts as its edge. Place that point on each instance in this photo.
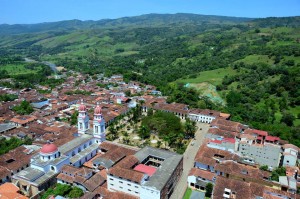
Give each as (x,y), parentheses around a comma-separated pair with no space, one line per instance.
(45,165)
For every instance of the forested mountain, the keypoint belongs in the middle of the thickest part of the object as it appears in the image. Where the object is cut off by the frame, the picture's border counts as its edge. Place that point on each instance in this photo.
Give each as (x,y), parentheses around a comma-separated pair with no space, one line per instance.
(141,21)
(261,56)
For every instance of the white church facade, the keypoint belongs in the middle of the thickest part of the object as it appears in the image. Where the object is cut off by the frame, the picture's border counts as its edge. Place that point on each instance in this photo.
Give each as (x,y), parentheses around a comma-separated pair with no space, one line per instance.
(48,163)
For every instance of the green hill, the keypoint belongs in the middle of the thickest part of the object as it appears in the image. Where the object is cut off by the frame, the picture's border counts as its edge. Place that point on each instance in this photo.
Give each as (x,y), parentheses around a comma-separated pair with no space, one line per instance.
(250,66)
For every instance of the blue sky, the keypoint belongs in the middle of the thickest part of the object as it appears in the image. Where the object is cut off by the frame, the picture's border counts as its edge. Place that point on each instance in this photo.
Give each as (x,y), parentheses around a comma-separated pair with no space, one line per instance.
(35,11)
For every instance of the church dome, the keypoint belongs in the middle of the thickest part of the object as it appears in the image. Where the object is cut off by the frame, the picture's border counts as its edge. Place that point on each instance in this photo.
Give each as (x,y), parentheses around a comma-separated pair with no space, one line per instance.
(82,107)
(49,148)
(98,110)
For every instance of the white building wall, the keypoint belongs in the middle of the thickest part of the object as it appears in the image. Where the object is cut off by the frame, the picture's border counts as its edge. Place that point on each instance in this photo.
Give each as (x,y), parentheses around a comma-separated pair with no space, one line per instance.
(191,179)
(80,148)
(47,167)
(147,193)
(289,160)
(201,118)
(85,158)
(117,184)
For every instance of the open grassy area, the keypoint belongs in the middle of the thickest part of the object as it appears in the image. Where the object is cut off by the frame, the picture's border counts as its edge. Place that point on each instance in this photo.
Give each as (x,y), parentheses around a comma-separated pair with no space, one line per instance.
(17,69)
(207,81)
(253,59)
(187,193)
(213,77)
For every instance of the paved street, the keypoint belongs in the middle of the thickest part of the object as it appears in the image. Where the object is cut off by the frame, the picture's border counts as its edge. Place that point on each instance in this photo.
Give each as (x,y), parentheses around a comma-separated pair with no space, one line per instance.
(188,160)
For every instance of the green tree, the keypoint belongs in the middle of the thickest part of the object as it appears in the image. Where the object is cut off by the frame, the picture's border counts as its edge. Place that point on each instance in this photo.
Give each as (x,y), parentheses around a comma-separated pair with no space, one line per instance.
(264,167)
(287,118)
(24,108)
(137,113)
(47,193)
(190,127)
(280,171)
(128,93)
(8,97)
(74,118)
(144,132)
(150,112)
(62,189)
(208,189)
(12,143)
(113,132)
(75,193)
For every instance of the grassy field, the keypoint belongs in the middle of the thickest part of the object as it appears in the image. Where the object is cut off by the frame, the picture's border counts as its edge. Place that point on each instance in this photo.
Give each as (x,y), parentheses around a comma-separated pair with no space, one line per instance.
(207,81)
(253,59)
(17,69)
(187,193)
(213,77)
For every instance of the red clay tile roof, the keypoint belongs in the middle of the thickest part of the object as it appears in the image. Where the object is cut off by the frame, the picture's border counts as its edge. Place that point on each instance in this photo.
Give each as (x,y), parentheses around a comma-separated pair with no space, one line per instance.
(20,159)
(209,156)
(65,177)
(233,168)
(225,115)
(89,164)
(69,169)
(224,133)
(286,146)
(10,191)
(4,172)
(255,131)
(79,179)
(128,162)
(113,195)
(227,125)
(95,181)
(128,174)
(272,138)
(107,146)
(202,173)
(241,189)
(23,119)
(84,171)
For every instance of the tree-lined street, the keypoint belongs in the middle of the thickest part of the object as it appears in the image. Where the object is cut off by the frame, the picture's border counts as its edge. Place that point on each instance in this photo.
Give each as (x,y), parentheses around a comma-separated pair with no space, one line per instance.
(188,160)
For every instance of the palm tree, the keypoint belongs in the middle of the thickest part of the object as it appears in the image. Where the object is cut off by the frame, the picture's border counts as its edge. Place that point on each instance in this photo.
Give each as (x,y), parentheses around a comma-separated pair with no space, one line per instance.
(190,127)
(144,132)
(113,132)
